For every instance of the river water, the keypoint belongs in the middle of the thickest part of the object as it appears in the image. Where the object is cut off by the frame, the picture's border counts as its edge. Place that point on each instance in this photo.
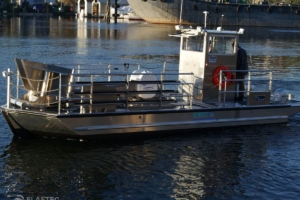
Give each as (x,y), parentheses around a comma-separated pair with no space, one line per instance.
(254,162)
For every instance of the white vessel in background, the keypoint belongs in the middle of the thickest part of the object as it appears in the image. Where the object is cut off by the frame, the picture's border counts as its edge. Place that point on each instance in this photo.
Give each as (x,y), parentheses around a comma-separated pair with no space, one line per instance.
(125,12)
(227,13)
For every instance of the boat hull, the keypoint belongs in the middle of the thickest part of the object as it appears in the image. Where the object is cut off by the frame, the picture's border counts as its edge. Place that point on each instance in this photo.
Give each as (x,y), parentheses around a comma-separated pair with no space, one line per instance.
(141,123)
(168,12)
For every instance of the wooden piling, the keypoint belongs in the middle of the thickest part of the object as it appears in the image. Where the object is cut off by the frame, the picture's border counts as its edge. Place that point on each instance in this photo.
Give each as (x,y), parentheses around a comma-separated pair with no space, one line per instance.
(107,13)
(116,11)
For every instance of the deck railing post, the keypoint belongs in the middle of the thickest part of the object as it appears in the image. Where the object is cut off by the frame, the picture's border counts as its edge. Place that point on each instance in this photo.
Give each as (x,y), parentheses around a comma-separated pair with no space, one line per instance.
(225,89)
(249,83)
(71,82)
(59,94)
(108,79)
(160,94)
(220,86)
(45,83)
(91,93)
(18,83)
(78,72)
(163,76)
(8,88)
(270,81)
(192,90)
(127,91)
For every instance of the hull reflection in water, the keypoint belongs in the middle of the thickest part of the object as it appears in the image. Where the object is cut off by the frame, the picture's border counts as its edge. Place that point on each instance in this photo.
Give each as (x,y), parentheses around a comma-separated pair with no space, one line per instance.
(198,166)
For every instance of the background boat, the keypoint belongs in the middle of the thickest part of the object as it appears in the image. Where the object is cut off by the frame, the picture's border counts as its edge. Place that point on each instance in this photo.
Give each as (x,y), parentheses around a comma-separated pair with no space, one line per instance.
(168,12)
(125,12)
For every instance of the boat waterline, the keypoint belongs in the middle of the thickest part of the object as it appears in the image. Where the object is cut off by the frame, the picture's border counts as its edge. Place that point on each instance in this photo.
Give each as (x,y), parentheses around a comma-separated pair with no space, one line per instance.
(69,126)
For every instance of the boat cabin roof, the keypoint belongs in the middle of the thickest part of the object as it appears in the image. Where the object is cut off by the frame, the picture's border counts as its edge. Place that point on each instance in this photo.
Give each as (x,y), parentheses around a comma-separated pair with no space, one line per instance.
(192,32)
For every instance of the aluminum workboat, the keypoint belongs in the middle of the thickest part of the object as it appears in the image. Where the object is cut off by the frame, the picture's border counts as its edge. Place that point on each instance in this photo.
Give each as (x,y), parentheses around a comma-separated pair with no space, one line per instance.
(96,101)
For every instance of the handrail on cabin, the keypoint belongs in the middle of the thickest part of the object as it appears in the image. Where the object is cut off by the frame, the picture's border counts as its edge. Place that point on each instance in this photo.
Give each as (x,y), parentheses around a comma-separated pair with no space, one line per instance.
(225,80)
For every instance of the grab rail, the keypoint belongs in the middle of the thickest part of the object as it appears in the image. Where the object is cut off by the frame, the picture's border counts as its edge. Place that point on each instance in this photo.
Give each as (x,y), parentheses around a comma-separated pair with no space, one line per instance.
(221,80)
(162,82)
(166,94)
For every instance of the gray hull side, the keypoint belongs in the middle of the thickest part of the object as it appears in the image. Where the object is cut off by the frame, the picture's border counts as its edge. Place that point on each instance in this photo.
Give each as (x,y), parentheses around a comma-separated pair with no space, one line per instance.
(168,12)
(91,125)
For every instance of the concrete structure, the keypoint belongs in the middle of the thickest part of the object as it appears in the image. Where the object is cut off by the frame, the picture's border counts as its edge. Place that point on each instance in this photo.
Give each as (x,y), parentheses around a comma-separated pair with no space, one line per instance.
(94,8)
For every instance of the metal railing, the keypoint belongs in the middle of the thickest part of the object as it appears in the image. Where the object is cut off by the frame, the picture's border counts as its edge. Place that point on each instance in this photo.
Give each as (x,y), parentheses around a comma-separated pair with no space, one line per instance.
(127,84)
(167,88)
(248,79)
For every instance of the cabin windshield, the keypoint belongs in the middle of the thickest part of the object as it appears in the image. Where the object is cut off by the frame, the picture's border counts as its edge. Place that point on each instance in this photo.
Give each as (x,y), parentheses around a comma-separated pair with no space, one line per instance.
(194,43)
(221,44)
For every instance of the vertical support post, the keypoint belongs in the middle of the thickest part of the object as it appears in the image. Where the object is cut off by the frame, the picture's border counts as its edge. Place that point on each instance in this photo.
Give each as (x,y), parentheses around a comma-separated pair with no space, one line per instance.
(180,11)
(191,90)
(249,84)
(59,94)
(78,72)
(116,11)
(70,83)
(225,89)
(164,70)
(107,14)
(205,16)
(220,86)
(163,76)
(45,84)
(160,91)
(8,88)
(18,83)
(139,66)
(160,94)
(91,93)
(108,78)
(270,81)
(127,91)
(222,21)
(237,85)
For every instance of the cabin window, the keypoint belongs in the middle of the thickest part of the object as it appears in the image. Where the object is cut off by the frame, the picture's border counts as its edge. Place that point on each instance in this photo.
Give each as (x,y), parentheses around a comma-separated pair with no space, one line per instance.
(221,44)
(194,43)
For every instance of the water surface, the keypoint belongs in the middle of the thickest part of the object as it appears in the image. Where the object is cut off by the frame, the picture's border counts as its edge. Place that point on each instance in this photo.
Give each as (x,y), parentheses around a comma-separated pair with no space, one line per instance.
(254,162)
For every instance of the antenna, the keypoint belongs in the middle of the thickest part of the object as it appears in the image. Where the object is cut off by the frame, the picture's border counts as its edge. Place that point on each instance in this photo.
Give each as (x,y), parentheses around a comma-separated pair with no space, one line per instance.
(180,12)
(222,21)
(205,16)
